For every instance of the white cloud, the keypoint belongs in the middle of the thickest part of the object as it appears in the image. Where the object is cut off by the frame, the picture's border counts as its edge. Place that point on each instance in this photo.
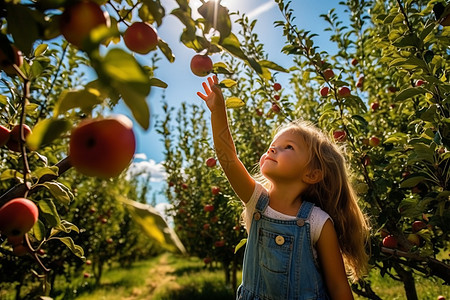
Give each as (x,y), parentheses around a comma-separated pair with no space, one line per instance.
(148,167)
(261,9)
(142,156)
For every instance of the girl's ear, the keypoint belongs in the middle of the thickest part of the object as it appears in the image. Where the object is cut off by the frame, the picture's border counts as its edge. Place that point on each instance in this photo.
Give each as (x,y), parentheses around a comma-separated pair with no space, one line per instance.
(313,176)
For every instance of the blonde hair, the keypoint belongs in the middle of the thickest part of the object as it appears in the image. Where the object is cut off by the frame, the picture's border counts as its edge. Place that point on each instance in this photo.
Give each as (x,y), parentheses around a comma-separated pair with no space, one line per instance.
(335,195)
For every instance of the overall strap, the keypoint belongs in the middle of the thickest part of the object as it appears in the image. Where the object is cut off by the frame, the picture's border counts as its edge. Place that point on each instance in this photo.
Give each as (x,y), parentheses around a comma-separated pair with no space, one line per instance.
(305,210)
(263,202)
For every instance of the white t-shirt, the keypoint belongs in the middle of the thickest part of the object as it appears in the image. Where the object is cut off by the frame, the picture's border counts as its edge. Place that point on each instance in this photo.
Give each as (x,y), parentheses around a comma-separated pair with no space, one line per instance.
(316,220)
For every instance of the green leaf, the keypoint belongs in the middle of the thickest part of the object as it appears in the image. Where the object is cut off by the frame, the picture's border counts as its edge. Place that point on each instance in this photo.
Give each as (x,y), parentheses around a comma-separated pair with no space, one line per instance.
(39,172)
(409,93)
(48,210)
(271,65)
(41,49)
(409,40)
(360,120)
(165,49)
(412,181)
(234,102)
(47,131)
(39,230)
(136,102)
(158,83)
(22,26)
(11,174)
(228,83)
(232,45)
(84,99)
(67,227)
(76,249)
(217,16)
(154,225)
(240,245)
(59,191)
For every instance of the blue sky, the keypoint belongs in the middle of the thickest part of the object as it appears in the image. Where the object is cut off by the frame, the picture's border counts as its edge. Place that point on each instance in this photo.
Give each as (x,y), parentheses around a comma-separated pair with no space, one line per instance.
(183,85)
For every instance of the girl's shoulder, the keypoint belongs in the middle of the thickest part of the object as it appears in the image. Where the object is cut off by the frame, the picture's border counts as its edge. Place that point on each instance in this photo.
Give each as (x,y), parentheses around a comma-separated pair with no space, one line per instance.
(317,219)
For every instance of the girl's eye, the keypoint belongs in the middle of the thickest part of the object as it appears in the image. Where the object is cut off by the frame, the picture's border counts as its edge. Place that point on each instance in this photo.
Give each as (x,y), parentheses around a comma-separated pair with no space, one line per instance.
(289,147)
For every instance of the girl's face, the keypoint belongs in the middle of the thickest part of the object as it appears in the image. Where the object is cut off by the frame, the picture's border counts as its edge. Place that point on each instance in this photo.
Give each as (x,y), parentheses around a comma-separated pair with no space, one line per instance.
(286,159)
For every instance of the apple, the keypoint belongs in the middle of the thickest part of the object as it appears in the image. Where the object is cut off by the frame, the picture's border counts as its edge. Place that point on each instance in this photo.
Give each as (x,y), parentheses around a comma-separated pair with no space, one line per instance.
(14,137)
(340,135)
(277,86)
(211,162)
(20,250)
(392,89)
(418,226)
(214,219)
(184,186)
(327,74)
(4,135)
(41,252)
(88,262)
(104,220)
(343,91)
(140,37)
(276,97)
(207,260)
(390,242)
(374,141)
(109,240)
(86,275)
(374,106)
(440,297)
(360,82)
(215,190)
(208,207)
(201,65)
(79,19)
(206,226)
(259,112)
(102,147)
(419,82)
(219,243)
(414,239)
(275,108)
(324,91)
(7,60)
(354,62)
(18,216)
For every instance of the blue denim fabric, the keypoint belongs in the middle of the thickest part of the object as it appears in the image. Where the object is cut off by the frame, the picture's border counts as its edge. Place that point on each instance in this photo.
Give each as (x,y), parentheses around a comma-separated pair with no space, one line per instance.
(278,259)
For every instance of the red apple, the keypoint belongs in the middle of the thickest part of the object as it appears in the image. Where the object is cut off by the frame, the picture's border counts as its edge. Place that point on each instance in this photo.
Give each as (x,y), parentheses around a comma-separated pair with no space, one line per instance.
(215,190)
(208,208)
(219,243)
(340,135)
(214,219)
(327,74)
(140,37)
(17,217)
(419,82)
(360,82)
(440,297)
(207,260)
(277,86)
(390,242)
(7,60)
(211,162)
(259,112)
(324,91)
(79,19)
(374,106)
(109,240)
(88,262)
(343,91)
(418,226)
(14,137)
(276,97)
(86,275)
(374,141)
(206,226)
(201,65)
(102,147)
(275,108)
(4,135)
(392,89)
(354,62)
(184,186)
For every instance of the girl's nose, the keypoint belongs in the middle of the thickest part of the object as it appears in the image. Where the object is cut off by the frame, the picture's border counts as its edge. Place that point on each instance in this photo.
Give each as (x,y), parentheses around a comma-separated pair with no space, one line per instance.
(271,150)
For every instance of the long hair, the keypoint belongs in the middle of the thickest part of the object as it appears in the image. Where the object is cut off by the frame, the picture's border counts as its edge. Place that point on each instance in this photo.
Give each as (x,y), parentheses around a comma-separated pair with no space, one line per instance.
(335,195)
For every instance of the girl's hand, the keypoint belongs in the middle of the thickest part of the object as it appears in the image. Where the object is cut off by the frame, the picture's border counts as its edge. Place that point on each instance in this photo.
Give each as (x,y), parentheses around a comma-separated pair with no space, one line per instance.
(213,98)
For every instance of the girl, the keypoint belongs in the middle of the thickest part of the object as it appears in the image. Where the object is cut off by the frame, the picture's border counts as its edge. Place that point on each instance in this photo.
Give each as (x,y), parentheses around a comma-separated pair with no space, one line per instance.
(302,218)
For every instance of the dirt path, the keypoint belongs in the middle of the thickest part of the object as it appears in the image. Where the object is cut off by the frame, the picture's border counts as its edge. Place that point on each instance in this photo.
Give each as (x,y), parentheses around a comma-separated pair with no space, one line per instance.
(158,277)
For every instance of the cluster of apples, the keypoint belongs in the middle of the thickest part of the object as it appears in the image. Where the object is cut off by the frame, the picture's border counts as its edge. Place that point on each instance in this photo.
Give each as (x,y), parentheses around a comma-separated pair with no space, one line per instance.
(391,241)
(11,138)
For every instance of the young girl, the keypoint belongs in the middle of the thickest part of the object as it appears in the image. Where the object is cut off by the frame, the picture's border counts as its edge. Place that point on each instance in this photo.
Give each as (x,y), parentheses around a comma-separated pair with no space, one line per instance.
(302,218)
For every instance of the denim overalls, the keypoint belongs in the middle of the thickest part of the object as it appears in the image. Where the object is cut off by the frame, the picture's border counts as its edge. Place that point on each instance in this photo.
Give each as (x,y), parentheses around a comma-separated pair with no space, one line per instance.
(278,259)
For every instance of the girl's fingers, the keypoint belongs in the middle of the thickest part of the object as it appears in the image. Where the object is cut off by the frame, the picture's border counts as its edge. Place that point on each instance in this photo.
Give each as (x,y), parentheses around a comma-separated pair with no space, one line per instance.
(216,81)
(211,81)
(206,87)
(202,96)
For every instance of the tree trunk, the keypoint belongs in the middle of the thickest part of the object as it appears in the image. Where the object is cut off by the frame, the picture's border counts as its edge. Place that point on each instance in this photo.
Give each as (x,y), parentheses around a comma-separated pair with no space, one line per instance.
(408,282)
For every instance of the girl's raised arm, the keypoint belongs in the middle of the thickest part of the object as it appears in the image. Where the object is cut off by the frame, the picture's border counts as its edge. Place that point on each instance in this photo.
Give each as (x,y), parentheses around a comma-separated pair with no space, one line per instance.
(241,181)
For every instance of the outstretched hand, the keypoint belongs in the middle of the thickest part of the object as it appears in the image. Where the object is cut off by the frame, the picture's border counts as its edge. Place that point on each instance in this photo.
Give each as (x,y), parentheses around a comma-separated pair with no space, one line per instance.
(214,97)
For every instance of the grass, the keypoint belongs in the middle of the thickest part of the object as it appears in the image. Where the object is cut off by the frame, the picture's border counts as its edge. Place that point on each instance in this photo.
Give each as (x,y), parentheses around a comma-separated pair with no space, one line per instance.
(170,277)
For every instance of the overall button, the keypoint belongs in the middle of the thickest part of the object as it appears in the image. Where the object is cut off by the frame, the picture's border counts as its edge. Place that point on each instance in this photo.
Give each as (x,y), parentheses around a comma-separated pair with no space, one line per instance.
(257,216)
(300,222)
(279,240)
